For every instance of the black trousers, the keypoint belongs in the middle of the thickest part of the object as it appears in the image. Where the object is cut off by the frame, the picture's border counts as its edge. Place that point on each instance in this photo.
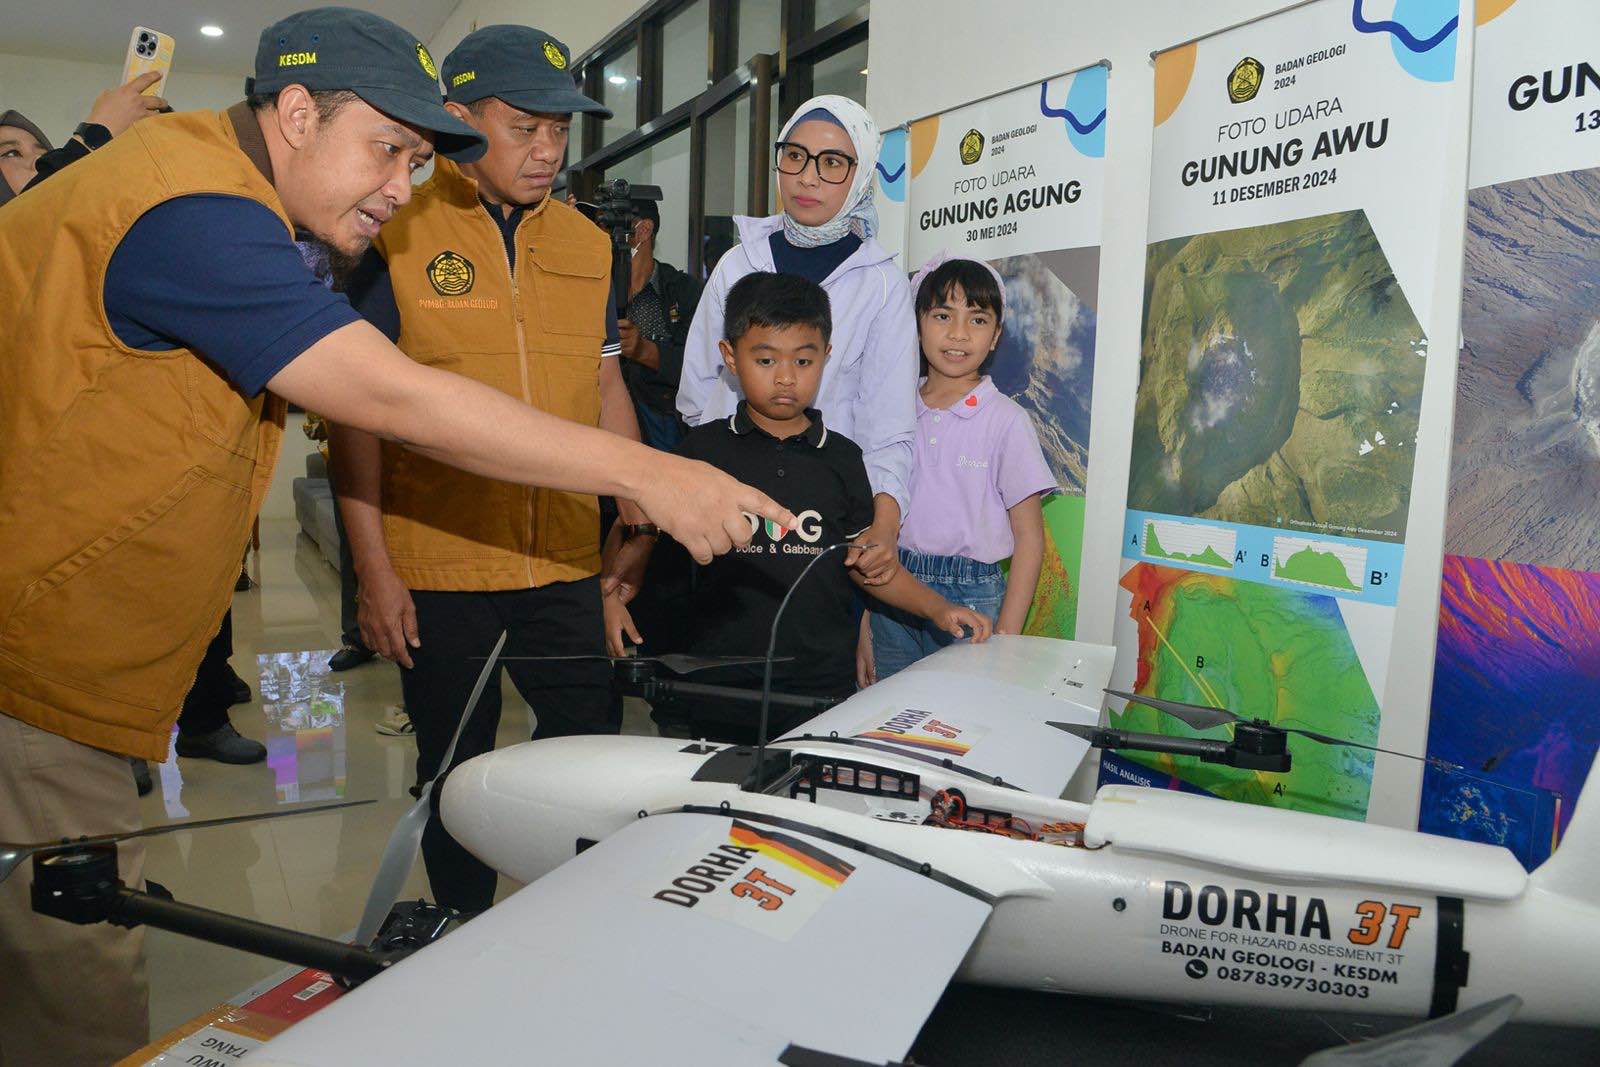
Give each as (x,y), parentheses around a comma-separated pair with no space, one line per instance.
(205,706)
(567,698)
(349,627)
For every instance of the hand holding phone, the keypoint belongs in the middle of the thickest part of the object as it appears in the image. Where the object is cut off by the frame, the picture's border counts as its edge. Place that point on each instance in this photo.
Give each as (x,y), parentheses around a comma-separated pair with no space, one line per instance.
(118,108)
(148,50)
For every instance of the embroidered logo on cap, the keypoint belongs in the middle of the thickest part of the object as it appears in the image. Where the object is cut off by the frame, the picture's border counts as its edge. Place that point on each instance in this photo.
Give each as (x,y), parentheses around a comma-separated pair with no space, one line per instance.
(450,273)
(463,78)
(426,60)
(553,54)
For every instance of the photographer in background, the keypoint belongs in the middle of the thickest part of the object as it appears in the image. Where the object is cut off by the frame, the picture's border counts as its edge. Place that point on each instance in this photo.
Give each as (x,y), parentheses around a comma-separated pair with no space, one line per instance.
(653,330)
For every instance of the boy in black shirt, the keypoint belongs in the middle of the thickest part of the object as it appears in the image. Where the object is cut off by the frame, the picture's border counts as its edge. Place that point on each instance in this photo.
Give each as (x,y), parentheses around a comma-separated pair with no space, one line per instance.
(777,340)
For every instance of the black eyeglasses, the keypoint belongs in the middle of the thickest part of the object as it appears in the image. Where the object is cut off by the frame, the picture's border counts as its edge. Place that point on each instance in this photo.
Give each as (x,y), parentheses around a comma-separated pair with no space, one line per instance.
(832,167)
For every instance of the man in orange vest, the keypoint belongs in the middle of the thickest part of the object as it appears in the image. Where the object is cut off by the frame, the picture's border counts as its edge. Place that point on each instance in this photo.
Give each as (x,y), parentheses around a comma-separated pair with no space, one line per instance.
(488,275)
(161,314)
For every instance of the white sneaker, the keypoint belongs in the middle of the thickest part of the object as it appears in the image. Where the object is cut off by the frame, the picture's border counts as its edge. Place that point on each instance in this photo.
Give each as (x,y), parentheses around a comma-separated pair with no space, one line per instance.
(395,722)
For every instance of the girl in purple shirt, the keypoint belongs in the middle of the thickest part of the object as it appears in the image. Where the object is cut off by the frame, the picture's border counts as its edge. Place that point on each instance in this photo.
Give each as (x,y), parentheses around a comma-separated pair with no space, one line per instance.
(977,474)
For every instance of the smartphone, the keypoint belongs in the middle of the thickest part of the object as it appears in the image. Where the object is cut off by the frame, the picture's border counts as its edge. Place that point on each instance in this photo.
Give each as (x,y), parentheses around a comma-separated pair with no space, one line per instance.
(148,50)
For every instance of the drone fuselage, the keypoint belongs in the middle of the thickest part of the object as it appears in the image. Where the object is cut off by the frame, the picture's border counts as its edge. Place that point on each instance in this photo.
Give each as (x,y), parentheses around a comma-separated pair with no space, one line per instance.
(1144,894)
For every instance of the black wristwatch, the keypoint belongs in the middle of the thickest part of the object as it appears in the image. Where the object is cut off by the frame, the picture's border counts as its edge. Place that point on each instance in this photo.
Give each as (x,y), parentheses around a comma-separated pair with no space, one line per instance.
(630,530)
(92,134)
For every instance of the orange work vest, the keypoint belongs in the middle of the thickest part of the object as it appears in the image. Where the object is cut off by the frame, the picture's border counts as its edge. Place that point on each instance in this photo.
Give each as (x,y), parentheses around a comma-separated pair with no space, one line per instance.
(128,479)
(534,334)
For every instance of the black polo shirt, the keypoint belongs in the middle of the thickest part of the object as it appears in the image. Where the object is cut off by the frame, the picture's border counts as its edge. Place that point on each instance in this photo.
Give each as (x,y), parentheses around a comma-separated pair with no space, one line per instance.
(819,475)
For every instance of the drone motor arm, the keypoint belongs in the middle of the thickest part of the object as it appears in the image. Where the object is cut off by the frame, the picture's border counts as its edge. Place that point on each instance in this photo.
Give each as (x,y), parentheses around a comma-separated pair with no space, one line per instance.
(1252,748)
(666,688)
(80,885)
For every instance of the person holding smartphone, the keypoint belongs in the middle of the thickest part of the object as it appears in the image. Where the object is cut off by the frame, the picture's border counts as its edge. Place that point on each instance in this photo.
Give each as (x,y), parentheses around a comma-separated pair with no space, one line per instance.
(26,154)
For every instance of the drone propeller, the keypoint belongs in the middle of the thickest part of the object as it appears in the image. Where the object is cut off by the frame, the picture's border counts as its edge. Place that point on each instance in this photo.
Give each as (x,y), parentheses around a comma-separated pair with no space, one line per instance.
(12,856)
(677,663)
(1436,1043)
(1197,716)
(1201,717)
(405,840)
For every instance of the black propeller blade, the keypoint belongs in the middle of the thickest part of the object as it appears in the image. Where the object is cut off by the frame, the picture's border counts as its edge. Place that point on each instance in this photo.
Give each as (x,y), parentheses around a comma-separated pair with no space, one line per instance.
(1195,715)
(13,855)
(1436,1043)
(677,663)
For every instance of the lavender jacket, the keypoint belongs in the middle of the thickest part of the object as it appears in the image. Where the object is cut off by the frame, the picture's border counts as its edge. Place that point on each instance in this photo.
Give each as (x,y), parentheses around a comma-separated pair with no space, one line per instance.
(869,384)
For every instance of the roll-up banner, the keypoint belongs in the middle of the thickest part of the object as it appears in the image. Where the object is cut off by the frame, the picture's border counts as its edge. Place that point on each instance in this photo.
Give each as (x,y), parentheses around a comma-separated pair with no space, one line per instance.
(1516,684)
(1017,179)
(1289,301)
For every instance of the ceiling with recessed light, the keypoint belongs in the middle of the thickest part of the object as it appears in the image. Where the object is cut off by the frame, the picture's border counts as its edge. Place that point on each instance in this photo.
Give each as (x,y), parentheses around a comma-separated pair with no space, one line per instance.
(95,31)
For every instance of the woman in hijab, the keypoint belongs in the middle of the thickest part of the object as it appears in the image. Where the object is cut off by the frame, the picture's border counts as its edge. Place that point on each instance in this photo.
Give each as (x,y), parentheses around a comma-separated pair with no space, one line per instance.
(21,145)
(825,158)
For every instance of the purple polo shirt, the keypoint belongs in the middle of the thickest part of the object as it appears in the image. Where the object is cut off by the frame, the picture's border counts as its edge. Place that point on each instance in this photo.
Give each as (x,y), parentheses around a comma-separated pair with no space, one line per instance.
(973,462)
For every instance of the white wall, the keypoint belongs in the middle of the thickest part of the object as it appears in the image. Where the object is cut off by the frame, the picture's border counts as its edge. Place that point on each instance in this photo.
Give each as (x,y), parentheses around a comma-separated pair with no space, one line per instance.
(575,23)
(56,93)
(926,56)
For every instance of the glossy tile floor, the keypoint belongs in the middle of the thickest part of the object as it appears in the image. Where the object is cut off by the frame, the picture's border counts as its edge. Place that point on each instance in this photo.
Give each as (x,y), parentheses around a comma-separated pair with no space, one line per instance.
(310,872)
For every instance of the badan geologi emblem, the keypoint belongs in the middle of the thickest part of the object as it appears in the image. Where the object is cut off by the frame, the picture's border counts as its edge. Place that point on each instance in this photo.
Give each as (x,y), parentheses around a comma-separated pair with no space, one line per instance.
(450,273)
(1244,82)
(971,147)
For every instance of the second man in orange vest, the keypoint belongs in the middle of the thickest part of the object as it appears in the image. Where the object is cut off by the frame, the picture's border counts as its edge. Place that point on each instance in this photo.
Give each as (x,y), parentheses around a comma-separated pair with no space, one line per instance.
(486,275)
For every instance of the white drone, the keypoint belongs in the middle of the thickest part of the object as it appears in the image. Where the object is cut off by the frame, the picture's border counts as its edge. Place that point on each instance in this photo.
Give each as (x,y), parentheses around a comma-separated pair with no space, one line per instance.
(708,904)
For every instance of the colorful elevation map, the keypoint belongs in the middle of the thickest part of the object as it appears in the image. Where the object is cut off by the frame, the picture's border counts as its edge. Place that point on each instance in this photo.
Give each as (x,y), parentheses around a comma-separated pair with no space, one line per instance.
(1514,688)
(1280,380)
(1263,652)
(1208,557)
(1055,603)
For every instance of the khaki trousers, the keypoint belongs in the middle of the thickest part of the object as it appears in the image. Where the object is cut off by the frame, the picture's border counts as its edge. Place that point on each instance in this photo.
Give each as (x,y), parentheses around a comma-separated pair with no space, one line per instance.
(68,994)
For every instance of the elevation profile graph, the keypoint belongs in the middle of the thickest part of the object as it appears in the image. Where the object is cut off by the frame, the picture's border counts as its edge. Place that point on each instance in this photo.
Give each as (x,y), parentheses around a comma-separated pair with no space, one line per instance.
(1325,564)
(1191,543)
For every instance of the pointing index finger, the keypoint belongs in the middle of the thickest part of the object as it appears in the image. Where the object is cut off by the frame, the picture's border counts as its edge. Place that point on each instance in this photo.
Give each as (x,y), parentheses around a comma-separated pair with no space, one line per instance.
(767,508)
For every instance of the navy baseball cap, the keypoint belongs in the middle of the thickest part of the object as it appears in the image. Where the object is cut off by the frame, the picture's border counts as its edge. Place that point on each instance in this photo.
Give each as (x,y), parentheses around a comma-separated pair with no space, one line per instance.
(525,67)
(334,49)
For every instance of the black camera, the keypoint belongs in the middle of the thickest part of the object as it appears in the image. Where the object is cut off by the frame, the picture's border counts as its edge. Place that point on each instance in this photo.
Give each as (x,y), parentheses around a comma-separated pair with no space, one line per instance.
(615,210)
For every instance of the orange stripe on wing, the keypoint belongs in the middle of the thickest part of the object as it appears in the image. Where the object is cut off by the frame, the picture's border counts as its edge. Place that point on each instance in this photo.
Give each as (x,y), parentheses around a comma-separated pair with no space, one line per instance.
(936,744)
(825,868)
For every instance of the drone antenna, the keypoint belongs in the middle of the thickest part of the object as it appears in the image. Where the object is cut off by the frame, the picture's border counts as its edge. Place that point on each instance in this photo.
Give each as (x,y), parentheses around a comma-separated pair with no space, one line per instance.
(772,650)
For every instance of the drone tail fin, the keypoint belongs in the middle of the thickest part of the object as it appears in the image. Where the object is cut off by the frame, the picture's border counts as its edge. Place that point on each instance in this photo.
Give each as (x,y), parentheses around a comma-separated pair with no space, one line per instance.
(1573,871)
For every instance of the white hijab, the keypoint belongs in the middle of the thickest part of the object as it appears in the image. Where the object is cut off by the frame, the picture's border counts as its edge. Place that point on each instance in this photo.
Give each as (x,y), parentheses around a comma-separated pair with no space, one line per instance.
(857,214)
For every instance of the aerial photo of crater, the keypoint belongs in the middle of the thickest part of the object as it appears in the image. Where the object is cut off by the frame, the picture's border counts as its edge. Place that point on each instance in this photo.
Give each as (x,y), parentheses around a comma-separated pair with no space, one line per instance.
(1045,360)
(1280,380)
(1525,469)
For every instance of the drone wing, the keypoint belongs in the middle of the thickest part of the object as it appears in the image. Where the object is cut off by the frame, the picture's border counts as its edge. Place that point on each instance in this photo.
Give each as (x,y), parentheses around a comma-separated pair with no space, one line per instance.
(986,708)
(682,938)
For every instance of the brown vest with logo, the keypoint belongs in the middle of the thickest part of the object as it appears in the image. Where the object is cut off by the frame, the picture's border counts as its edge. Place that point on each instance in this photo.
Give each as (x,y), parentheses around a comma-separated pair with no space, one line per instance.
(128,480)
(533,333)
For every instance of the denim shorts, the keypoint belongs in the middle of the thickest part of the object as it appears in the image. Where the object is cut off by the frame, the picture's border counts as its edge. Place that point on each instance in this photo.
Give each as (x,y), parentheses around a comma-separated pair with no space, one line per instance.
(900,639)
